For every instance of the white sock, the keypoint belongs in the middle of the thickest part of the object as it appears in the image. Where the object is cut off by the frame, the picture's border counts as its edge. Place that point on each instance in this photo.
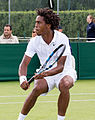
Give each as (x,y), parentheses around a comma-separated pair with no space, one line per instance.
(60,117)
(21,116)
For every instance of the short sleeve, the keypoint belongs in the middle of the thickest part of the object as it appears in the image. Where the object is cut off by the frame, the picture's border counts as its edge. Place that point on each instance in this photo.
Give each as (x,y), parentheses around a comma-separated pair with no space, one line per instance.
(30,51)
(66,42)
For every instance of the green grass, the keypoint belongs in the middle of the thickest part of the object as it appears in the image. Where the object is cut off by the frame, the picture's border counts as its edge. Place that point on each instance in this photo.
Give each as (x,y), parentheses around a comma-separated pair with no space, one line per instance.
(81,107)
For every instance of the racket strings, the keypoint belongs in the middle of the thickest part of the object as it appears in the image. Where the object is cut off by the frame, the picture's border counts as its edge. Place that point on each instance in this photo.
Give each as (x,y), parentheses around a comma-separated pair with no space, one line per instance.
(54,58)
(51,61)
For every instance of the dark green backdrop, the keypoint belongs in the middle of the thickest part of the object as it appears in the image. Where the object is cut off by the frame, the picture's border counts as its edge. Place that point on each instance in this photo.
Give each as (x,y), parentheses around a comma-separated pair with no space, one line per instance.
(11,56)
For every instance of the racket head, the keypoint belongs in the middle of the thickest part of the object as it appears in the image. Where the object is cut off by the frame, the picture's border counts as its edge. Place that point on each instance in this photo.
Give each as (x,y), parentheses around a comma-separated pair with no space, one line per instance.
(55,56)
(52,59)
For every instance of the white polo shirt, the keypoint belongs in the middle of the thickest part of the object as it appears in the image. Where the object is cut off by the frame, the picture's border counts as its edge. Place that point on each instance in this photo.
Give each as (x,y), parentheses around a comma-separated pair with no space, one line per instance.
(43,50)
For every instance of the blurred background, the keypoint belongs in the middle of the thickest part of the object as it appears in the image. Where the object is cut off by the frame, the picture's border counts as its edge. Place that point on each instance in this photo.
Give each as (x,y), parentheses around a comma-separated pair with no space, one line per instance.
(21,15)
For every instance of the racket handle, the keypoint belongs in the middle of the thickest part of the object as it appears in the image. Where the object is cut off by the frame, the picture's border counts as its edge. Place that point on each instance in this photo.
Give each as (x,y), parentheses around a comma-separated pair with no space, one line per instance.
(31,80)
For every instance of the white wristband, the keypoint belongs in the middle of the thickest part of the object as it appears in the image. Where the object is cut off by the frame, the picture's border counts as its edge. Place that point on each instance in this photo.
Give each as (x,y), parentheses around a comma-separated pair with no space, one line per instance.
(22,79)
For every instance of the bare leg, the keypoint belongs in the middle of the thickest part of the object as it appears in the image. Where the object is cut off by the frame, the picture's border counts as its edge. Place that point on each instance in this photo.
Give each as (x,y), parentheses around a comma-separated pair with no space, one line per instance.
(40,87)
(29,103)
(65,84)
(63,102)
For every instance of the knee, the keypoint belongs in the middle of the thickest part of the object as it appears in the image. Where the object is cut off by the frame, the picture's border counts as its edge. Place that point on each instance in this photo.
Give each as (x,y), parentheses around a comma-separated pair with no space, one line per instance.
(36,91)
(65,84)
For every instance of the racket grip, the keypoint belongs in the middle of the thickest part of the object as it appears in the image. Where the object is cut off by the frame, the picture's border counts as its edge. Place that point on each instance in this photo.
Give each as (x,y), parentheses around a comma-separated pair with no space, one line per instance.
(31,80)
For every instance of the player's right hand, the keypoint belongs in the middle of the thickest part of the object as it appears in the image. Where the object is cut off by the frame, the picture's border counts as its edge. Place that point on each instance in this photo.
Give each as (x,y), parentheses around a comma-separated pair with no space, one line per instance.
(25,85)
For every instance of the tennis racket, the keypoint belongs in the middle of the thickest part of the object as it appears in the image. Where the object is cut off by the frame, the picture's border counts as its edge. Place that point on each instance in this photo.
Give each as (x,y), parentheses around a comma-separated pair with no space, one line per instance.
(51,60)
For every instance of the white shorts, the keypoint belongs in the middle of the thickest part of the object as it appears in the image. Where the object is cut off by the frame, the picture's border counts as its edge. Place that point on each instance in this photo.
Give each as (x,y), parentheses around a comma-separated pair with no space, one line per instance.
(53,81)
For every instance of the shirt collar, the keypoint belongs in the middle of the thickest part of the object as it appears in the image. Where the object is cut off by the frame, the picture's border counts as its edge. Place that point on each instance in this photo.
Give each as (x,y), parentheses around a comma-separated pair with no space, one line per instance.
(53,40)
(8,38)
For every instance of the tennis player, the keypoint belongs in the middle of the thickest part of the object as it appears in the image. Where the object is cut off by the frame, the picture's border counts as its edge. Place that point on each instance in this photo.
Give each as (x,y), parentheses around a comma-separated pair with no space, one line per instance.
(61,76)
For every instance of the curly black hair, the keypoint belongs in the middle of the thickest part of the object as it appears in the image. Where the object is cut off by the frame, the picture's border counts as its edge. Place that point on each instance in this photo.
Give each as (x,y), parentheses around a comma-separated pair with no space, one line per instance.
(49,17)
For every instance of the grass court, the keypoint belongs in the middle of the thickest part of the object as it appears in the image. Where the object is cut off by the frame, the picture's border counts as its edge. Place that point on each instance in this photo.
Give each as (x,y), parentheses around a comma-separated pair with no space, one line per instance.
(81,107)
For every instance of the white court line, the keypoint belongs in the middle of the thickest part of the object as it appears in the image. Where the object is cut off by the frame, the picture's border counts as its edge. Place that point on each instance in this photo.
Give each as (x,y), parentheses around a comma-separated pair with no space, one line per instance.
(49,95)
(13,96)
(82,93)
(83,100)
(11,103)
(88,100)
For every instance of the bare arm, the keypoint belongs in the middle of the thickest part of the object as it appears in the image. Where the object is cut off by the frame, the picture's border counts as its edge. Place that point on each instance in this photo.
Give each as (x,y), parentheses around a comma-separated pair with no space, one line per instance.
(23,72)
(23,65)
(59,68)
